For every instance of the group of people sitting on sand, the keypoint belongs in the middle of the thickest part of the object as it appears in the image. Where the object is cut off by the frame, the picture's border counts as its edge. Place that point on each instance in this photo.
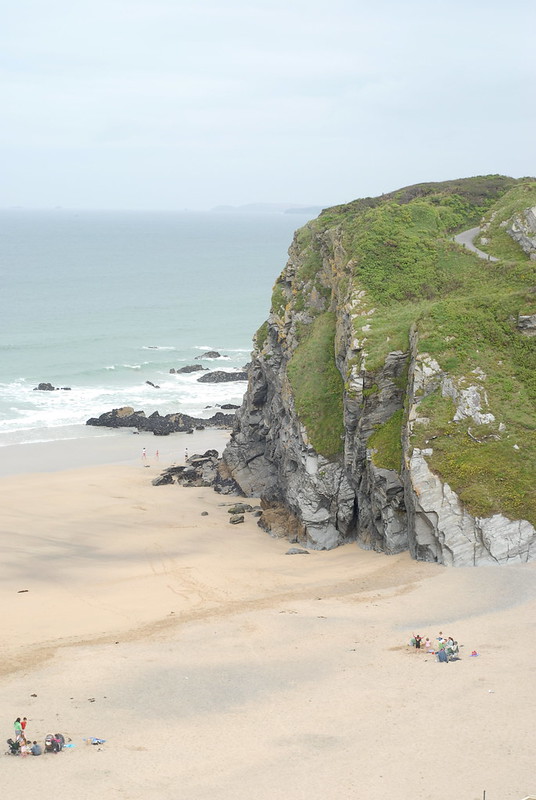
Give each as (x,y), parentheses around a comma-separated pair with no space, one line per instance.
(445,650)
(24,746)
(20,745)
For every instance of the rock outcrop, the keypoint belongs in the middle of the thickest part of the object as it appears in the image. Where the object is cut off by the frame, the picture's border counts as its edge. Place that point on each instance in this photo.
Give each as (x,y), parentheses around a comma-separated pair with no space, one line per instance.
(48,387)
(350,429)
(157,424)
(188,369)
(221,376)
(522,229)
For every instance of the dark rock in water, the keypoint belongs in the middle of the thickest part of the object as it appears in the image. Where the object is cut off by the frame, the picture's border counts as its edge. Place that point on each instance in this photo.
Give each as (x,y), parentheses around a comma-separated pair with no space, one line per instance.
(239,508)
(65,388)
(126,417)
(236,519)
(209,354)
(154,385)
(220,376)
(190,368)
(229,407)
(44,387)
(172,371)
(295,551)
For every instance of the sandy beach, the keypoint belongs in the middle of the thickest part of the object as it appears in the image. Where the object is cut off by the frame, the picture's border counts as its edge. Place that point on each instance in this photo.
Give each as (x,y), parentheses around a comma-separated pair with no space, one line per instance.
(216,666)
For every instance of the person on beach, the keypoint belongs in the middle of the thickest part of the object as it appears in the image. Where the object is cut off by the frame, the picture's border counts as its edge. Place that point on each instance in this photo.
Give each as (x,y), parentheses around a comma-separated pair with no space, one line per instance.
(25,749)
(23,724)
(144,454)
(18,728)
(37,750)
(418,640)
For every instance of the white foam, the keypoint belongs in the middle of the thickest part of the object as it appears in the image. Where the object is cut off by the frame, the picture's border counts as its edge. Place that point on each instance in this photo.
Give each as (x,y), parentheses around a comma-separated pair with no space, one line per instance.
(22,409)
(158,347)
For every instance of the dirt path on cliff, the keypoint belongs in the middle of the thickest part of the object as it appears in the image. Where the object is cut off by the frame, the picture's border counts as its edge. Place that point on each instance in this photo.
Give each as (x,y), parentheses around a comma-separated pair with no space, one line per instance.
(466,238)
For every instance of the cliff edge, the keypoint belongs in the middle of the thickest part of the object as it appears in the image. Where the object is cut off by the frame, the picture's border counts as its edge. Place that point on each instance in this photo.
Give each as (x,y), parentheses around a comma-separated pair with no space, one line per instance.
(392,391)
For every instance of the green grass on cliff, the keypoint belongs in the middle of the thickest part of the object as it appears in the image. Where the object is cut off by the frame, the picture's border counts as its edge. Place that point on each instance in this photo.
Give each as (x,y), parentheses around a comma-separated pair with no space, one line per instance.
(317,386)
(495,473)
(386,443)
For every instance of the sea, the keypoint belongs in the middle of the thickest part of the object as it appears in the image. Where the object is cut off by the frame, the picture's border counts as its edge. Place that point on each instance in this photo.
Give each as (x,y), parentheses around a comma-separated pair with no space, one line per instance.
(102,302)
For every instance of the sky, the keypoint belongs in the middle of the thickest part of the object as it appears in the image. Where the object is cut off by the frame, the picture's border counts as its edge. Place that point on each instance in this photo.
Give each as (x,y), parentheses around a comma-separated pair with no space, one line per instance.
(173,104)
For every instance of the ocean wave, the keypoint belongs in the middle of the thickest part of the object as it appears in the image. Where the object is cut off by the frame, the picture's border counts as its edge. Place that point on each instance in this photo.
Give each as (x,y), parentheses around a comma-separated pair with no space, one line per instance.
(23,409)
(158,347)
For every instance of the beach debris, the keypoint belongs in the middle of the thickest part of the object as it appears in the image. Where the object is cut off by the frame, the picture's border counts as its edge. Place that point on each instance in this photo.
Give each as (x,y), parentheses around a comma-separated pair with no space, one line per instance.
(296,551)
(94,740)
(204,513)
(22,591)
(33,695)
(236,519)
(91,699)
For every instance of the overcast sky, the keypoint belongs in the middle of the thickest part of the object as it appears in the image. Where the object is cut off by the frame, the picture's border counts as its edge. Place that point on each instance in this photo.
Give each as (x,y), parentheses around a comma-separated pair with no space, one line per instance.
(192,103)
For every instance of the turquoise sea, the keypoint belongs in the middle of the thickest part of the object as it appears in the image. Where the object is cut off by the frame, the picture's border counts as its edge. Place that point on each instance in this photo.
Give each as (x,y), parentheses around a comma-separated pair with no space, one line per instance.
(104,301)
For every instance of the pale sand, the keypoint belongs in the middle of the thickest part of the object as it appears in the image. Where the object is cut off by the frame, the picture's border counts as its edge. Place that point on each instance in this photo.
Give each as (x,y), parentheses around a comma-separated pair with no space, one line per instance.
(222,668)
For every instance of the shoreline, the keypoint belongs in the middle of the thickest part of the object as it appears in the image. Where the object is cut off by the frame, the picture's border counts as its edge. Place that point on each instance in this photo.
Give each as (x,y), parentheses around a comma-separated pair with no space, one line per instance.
(119,446)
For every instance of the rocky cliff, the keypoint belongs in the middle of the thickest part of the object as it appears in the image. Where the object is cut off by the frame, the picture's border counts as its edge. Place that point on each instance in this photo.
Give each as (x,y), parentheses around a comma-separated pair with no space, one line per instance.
(391,396)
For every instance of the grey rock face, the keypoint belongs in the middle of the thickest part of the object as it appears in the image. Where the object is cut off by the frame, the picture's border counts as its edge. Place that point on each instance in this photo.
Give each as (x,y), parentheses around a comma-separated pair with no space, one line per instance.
(442,530)
(439,527)
(522,229)
(527,324)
